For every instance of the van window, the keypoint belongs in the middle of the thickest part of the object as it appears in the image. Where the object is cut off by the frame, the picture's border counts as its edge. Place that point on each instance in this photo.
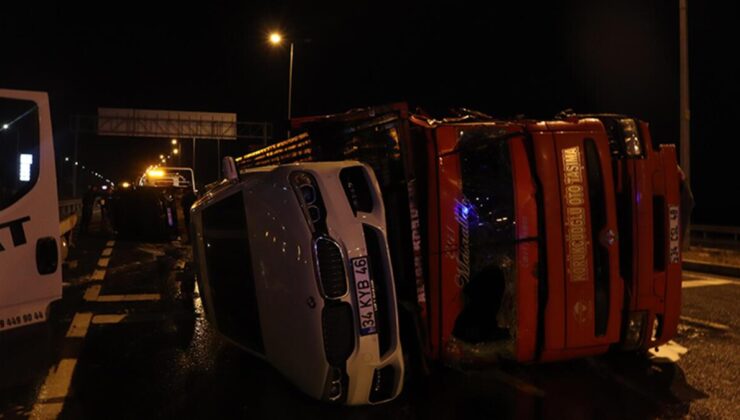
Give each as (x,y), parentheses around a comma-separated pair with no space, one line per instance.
(19,149)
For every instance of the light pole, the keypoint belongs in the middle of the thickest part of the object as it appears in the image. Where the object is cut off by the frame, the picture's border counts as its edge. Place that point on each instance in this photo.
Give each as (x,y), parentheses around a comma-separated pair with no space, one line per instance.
(176,150)
(685,116)
(277,39)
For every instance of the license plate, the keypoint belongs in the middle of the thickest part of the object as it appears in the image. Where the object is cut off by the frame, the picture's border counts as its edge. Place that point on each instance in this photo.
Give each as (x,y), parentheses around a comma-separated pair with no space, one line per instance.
(674,245)
(365,293)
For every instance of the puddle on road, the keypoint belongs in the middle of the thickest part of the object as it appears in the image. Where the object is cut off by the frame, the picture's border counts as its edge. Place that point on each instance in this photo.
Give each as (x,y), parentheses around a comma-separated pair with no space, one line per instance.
(153,250)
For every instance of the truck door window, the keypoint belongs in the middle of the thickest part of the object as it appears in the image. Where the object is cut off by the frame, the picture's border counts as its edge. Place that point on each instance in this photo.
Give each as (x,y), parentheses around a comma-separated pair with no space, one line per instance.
(486,213)
(19,149)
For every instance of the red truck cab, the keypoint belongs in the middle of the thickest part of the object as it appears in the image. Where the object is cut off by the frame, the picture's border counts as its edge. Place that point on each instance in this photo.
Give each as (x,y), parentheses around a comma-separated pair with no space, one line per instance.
(524,239)
(548,240)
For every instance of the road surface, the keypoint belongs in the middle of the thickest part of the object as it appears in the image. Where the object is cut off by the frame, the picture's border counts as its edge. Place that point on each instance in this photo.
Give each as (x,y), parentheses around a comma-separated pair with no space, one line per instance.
(127,342)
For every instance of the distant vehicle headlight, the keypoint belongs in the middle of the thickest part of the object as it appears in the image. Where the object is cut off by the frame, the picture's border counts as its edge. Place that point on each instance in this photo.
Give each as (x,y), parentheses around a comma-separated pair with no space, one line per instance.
(631,134)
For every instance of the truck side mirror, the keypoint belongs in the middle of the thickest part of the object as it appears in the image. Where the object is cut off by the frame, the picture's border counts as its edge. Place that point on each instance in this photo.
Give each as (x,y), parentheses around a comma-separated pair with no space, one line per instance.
(229,169)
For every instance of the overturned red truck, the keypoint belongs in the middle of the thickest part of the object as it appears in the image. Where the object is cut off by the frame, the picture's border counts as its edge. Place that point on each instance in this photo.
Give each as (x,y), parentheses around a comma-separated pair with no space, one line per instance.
(520,239)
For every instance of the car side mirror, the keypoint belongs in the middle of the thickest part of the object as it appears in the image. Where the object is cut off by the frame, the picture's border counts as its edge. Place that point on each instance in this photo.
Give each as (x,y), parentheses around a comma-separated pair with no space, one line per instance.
(229,169)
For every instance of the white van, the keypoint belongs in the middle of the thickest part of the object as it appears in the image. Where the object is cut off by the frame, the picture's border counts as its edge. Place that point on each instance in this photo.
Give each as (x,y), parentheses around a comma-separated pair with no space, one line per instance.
(30,271)
(293,266)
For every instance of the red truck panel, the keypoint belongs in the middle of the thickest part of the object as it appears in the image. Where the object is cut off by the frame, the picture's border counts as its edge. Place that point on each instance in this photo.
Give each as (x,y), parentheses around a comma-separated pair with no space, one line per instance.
(579,241)
(658,291)
(579,262)
(450,286)
(435,243)
(527,253)
(672,307)
(547,171)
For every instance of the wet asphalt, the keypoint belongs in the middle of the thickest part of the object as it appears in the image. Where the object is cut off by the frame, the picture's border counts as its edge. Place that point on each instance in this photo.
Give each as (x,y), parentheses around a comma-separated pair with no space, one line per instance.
(163,360)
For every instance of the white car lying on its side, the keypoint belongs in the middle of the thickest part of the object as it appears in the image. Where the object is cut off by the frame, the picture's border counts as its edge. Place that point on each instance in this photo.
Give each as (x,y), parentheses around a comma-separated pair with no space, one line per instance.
(293,266)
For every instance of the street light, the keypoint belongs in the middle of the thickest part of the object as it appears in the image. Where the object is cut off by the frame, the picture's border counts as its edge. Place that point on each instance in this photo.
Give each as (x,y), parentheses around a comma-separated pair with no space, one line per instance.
(276,39)
(176,150)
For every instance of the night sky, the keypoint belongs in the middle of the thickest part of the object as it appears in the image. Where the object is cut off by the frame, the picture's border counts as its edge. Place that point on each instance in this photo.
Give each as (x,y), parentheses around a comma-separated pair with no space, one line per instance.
(504,58)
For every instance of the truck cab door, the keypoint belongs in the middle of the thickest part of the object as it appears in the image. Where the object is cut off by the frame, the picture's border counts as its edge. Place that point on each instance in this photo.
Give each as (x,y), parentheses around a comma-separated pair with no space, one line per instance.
(30,275)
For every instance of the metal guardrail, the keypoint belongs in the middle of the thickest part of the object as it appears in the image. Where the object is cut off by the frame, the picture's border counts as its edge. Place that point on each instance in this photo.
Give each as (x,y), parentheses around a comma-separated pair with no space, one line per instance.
(718,234)
(69,207)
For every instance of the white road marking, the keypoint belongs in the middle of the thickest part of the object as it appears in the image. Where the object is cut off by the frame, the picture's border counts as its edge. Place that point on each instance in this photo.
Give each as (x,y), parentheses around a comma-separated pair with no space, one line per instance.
(706,324)
(108,319)
(80,324)
(670,350)
(706,282)
(98,275)
(53,392)
(695,275)
(129,298)
(92,293)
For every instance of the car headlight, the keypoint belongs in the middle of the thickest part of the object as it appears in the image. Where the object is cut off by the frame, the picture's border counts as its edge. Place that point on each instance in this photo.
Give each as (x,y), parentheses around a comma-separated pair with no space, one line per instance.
(631,135)
(634,330)
(309,197)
